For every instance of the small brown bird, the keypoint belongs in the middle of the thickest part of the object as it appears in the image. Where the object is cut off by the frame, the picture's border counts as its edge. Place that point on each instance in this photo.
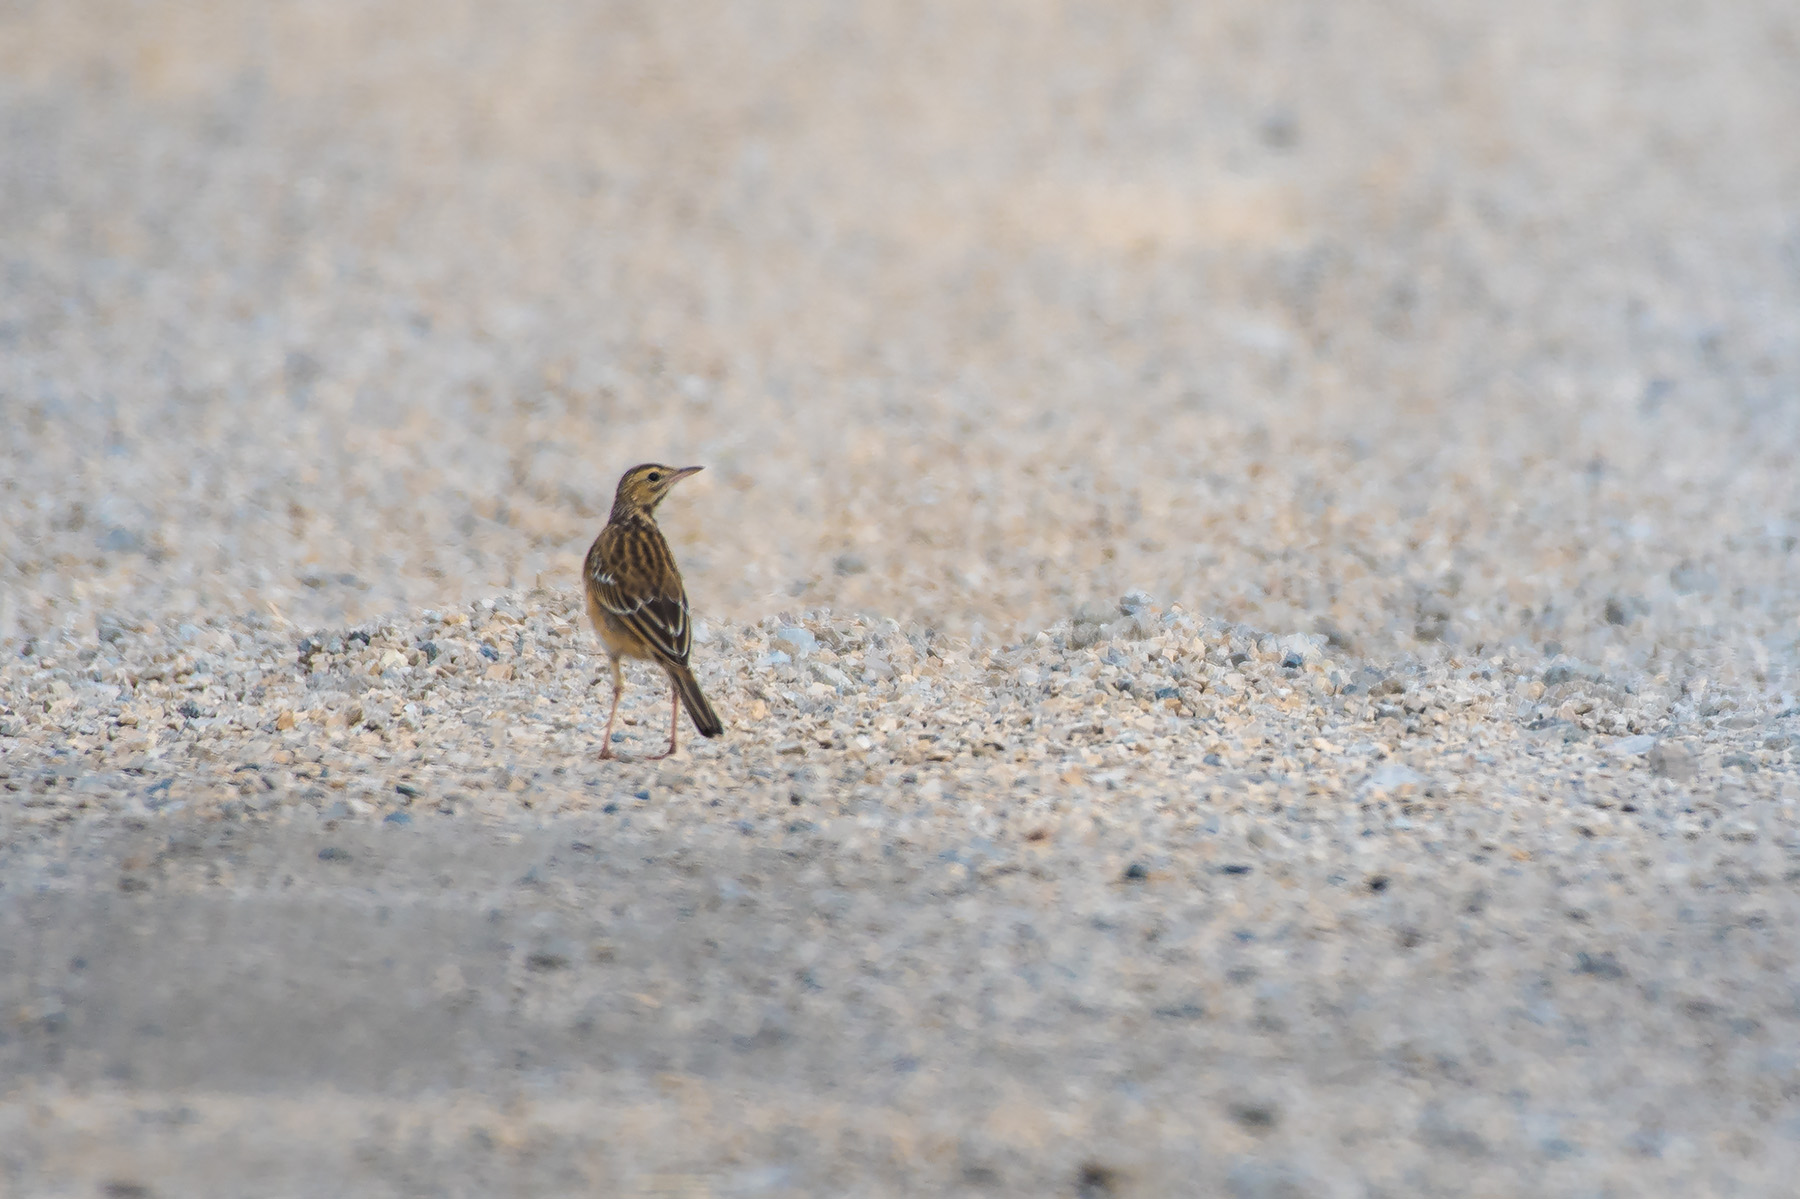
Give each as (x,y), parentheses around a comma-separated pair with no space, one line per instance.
(636,601)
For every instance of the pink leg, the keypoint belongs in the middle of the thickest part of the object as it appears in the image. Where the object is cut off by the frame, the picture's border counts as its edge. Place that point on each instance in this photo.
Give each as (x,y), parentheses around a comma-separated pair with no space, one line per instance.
(674,718)
(606,750)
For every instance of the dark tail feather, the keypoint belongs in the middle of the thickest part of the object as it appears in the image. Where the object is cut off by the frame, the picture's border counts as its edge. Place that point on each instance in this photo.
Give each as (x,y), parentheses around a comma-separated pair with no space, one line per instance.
(705,719)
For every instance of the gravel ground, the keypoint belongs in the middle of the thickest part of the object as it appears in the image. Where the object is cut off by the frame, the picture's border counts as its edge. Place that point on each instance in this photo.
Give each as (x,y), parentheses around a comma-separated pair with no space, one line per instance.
(1249,553)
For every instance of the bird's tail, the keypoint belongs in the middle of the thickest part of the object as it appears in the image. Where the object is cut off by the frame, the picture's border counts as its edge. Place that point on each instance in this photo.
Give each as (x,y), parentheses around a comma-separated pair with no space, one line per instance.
(705,719)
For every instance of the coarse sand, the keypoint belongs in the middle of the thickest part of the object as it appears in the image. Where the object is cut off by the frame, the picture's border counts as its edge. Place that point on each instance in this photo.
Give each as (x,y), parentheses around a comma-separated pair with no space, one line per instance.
(1248,553)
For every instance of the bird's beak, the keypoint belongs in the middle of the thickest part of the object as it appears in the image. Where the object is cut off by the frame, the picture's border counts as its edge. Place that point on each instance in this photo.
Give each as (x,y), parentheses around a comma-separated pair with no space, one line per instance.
(685,471)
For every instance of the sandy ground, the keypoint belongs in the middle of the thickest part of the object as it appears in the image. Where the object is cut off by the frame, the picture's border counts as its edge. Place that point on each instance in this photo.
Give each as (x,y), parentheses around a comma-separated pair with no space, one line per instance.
(1249,552)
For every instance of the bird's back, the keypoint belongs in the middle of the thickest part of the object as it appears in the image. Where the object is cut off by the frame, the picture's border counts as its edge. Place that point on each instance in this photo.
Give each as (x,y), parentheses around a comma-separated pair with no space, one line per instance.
(632,578)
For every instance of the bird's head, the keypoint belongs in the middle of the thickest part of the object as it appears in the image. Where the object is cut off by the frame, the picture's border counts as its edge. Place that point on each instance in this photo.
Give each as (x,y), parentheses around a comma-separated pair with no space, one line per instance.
(642,488)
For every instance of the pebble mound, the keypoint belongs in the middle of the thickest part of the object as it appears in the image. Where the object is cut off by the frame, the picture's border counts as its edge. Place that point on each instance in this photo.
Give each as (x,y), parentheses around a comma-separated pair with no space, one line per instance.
(497,707)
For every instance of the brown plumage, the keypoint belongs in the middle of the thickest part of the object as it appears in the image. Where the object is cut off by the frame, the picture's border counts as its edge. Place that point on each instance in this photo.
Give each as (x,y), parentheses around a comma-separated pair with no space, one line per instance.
(636,601)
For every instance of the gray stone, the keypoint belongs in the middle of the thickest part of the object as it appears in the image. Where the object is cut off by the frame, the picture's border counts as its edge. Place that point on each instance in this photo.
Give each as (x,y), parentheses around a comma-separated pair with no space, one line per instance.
(1302,649)
(1565,669)
(1134,602)
(1392,777)
(794,641)
(121,541)
(1671,761)
(830,675)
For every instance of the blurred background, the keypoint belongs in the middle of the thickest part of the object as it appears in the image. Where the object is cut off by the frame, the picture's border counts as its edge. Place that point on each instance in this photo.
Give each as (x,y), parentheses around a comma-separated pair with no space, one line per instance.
(1419,323)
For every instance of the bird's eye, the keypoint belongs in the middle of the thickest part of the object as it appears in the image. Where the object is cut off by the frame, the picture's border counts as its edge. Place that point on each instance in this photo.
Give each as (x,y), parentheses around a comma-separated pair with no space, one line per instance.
(655,476)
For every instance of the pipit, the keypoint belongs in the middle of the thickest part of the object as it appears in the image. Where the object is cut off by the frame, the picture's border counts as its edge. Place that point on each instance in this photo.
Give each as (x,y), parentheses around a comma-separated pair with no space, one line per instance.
(636,600)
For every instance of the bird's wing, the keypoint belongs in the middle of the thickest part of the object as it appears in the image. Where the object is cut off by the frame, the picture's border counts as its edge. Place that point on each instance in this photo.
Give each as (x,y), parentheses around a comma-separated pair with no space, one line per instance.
(633,577)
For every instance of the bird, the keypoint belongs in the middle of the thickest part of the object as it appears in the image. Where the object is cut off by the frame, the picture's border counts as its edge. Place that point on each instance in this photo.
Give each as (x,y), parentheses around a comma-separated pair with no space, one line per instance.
(636,600)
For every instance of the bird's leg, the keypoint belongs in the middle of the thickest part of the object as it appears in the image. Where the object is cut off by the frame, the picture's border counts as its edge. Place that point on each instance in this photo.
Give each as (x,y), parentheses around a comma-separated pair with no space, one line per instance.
(674,718)
(606,750)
